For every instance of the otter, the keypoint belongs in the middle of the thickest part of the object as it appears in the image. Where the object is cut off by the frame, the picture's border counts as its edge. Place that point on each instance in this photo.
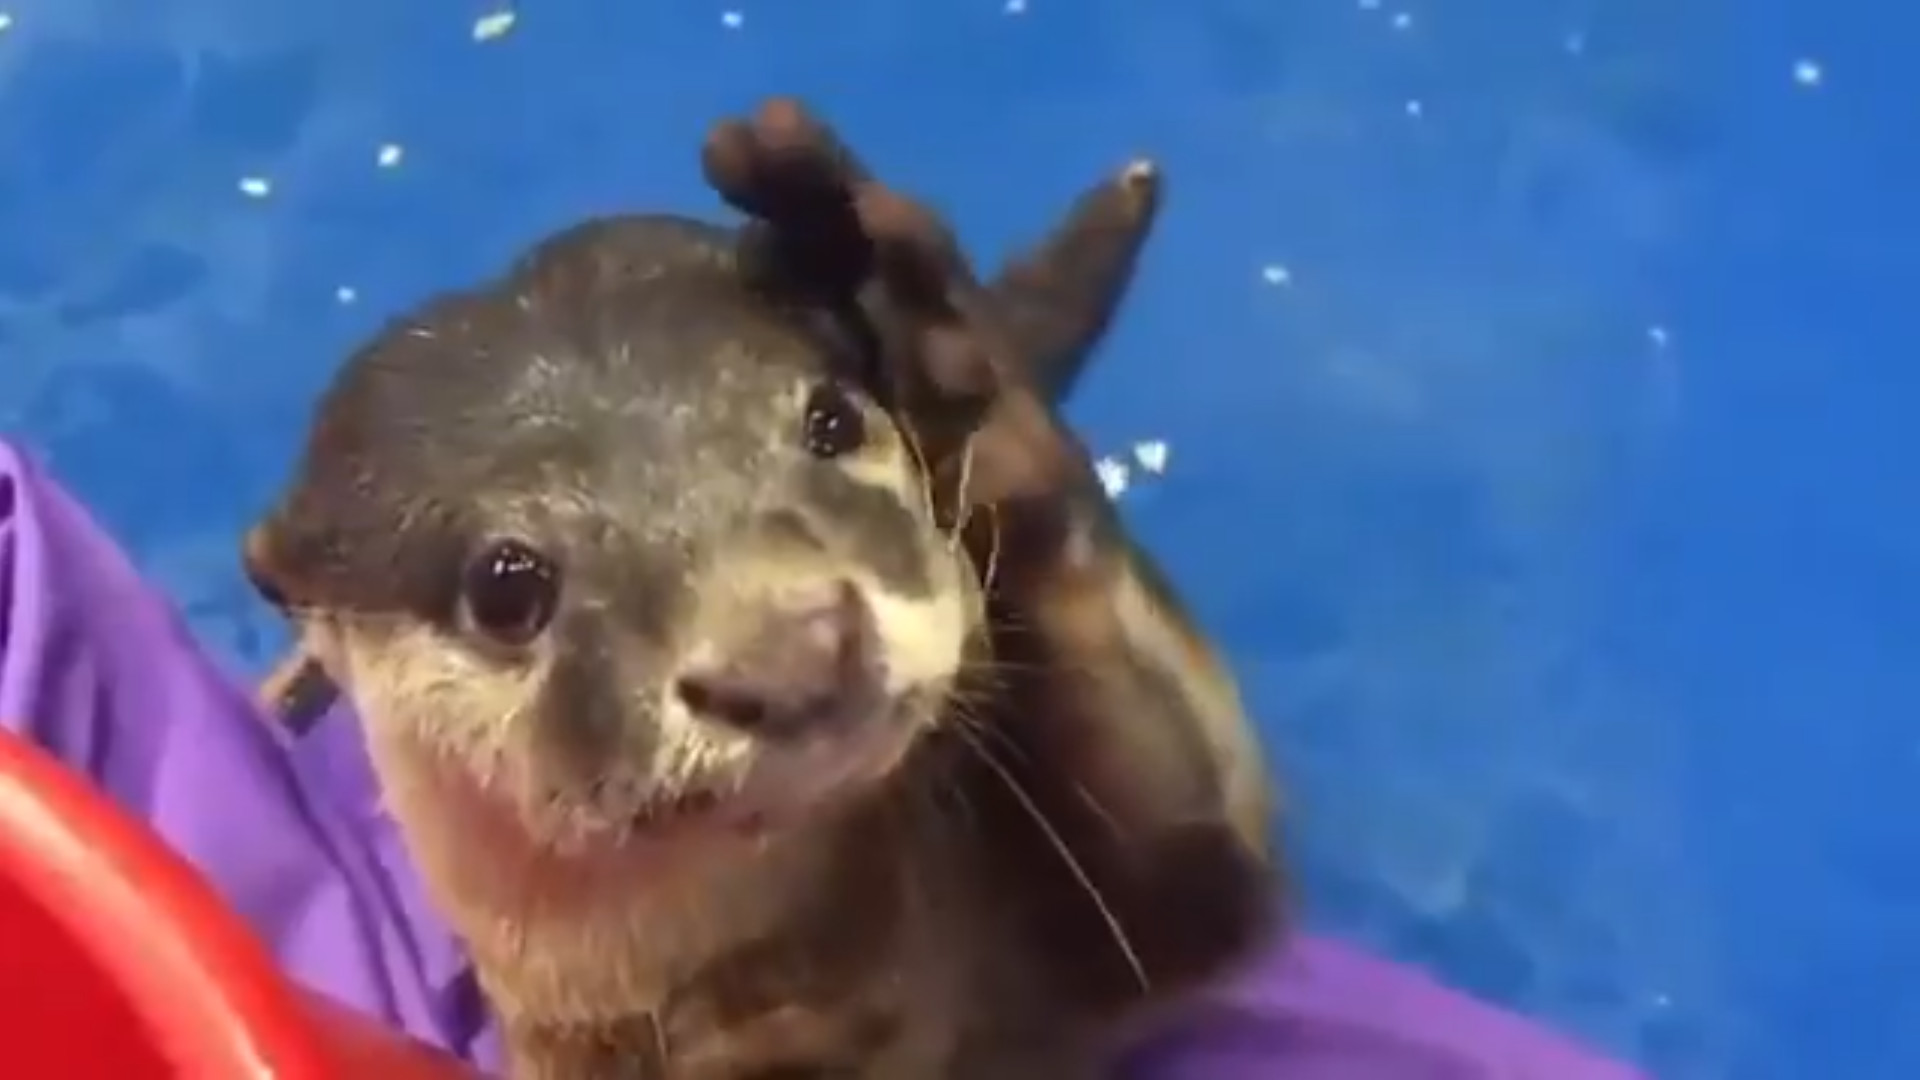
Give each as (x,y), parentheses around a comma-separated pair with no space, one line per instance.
(756,671)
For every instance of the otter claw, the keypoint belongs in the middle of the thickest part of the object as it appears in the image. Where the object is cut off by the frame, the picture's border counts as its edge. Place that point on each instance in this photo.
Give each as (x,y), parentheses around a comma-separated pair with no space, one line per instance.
(786,126)
(824,229)
(1140,176)
(1057,300)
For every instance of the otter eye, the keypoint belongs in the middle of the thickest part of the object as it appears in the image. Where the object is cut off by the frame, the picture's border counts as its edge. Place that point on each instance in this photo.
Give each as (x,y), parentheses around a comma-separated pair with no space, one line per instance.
(834,424)
(511,592)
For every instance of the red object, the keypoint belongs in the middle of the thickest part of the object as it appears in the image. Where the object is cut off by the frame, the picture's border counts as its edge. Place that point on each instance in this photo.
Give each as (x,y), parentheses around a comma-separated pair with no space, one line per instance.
(117,960)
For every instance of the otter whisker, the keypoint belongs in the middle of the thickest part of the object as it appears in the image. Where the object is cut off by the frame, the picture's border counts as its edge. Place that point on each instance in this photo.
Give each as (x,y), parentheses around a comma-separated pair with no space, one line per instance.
(943,787)
(922,468)
(992,570)
(1002,668)
(660,1046)
(962,486)
(955,538)
(962,714)
(1060,847)
(1100,811)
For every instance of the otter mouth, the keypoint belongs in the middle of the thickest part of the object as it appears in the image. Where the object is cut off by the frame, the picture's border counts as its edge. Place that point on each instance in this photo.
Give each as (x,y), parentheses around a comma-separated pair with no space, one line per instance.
(697,806)
(781,786)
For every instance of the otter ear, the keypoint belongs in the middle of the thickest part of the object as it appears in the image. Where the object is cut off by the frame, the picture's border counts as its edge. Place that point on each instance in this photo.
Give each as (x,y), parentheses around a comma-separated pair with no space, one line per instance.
(258,558)
(1057,300)
(298,691)
(280,562)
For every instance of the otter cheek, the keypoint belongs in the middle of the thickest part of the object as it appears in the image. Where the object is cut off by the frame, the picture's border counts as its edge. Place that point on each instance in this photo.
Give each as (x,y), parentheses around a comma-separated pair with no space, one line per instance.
(589,727)
(783,783)
(922,640)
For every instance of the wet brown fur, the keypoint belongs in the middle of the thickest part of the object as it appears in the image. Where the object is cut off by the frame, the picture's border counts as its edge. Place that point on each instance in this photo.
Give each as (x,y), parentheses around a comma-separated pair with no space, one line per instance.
(1075,847)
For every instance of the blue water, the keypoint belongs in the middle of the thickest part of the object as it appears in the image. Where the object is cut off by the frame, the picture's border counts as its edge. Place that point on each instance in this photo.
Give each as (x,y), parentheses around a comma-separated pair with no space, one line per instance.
(1534,376)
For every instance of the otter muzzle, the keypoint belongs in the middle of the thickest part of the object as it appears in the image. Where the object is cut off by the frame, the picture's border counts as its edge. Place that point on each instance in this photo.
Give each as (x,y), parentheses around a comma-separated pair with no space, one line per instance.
(805,665)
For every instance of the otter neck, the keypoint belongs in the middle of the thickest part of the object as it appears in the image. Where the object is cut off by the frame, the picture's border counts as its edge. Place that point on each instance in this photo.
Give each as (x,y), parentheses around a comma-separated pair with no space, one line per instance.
(724,955)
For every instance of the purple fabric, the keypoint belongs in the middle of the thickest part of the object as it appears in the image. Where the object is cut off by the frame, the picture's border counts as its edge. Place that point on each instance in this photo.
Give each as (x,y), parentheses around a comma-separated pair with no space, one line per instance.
(96,667)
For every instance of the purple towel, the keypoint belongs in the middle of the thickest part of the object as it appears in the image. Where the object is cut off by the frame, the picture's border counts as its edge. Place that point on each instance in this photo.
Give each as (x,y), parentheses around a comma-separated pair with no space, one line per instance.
(97,668)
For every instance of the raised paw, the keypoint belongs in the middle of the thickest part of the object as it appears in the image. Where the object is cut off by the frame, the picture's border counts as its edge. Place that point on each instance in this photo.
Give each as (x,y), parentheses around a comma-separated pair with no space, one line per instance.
(951,360)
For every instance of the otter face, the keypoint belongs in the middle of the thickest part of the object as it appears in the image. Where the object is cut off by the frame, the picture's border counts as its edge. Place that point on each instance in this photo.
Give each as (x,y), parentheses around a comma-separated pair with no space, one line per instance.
(620,555)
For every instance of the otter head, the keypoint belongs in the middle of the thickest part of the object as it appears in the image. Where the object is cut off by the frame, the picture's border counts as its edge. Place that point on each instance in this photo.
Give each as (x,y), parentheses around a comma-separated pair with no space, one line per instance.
(615,556)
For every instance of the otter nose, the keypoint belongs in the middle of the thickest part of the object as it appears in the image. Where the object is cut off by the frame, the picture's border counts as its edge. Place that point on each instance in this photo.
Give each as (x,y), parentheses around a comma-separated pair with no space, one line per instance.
(796,672)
